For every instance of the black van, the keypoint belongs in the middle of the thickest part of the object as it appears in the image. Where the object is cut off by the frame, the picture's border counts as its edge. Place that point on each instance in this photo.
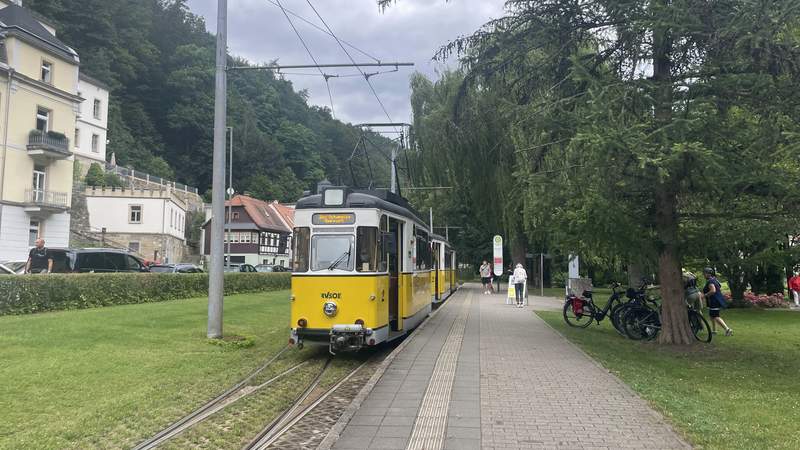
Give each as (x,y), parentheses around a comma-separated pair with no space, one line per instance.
(96,260)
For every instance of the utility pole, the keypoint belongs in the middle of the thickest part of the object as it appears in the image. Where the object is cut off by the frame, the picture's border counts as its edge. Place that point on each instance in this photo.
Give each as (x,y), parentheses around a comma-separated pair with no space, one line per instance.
(230,195)
(216,281)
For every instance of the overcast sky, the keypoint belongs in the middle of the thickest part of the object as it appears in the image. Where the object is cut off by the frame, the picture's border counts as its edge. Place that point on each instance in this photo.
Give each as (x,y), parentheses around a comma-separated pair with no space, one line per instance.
(410,31)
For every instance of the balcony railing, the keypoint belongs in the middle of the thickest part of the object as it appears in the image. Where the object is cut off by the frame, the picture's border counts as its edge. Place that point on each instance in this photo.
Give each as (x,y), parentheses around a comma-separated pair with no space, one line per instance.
(55,143)
(47,199)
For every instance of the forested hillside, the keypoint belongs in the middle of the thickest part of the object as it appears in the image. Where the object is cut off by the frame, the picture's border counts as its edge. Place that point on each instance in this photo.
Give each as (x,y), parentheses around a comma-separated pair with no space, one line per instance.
(158,60)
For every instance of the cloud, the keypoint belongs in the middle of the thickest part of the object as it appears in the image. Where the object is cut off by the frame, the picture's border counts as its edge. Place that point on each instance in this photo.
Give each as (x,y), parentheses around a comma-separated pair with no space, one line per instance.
(410,31)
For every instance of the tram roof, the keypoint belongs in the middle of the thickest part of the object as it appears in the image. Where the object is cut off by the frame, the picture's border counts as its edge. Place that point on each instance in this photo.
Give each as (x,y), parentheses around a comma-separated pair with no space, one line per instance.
(362,198)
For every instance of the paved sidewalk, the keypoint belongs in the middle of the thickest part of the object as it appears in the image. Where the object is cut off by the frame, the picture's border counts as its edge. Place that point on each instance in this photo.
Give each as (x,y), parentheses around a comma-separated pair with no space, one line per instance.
(515,384)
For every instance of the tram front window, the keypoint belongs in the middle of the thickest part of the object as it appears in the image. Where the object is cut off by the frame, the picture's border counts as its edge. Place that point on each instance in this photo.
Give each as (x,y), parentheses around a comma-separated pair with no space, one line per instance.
(329,252)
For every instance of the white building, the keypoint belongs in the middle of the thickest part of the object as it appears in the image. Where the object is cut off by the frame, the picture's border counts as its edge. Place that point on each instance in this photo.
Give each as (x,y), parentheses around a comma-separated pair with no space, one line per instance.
(91,127)
(151,223)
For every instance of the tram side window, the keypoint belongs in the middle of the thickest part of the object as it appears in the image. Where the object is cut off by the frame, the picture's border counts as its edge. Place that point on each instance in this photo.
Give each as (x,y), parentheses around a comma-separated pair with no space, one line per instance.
(448,260)
(423,251)
(300,244)
(370,258)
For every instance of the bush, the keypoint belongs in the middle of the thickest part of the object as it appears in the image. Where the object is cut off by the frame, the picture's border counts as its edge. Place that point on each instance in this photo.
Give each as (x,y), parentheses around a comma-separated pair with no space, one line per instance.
(760,301)
(96,176)
(27,294)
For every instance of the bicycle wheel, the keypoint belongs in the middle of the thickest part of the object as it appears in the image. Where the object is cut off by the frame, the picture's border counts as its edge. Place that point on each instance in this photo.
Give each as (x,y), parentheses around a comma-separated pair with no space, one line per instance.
(700,327)
(578,320)
(641,324)
(616,317)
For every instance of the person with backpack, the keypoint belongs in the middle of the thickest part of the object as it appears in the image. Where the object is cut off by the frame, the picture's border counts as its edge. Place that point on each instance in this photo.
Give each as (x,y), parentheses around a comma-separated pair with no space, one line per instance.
(520,278)
(715,301)
(486,276)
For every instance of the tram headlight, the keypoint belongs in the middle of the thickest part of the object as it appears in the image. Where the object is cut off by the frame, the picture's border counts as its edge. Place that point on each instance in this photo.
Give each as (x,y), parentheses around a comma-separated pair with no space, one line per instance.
(302,323)
(360,322)
(330,309)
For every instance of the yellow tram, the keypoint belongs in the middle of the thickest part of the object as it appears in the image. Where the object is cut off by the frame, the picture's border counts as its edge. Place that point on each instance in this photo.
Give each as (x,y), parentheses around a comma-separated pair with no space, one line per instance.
(365,269)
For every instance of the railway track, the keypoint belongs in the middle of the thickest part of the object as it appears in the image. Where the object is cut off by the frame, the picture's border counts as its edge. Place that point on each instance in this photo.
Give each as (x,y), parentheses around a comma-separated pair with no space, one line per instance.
(307,423)
(239,390)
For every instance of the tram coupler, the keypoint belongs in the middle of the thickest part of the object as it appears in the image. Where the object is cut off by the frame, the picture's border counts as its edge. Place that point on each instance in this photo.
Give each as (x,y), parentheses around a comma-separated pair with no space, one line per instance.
(348,338)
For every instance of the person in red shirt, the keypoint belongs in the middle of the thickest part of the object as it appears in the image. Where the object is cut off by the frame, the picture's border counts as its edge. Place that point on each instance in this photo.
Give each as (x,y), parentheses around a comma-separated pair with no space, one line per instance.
(794,288)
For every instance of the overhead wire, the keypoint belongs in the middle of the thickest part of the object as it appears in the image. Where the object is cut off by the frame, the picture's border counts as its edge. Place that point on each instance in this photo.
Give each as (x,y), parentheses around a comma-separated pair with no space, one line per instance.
(287,10)
(308,50)
(366,78)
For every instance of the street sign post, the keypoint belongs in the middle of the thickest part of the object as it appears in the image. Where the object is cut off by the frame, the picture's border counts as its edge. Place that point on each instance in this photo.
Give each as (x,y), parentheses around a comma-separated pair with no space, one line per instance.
(498,258)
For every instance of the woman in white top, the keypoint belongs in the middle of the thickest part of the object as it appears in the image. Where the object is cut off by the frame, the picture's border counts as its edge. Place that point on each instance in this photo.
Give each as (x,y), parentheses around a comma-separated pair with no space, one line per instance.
(520,278)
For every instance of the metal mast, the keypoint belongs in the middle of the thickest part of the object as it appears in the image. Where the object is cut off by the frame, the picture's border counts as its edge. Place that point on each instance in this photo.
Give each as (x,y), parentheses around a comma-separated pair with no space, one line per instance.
(215,276)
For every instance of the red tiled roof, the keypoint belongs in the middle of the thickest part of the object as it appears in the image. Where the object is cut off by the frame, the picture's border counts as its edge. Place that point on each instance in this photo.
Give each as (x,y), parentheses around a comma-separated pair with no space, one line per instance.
(260,213)
(285,211)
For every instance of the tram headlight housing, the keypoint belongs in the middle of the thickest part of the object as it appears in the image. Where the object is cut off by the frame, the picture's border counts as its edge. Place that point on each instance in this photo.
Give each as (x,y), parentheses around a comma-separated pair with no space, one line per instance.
(302,323)
(330,309)
(360,322)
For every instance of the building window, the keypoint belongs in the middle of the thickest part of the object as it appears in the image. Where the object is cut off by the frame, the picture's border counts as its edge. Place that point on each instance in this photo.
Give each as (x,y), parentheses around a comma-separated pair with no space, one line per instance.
(133,247)
(77,138)
(33,233)
(39,183)
(47,72)
(42,119)
(235,216)
(135,214)
(95,143)
(96,109)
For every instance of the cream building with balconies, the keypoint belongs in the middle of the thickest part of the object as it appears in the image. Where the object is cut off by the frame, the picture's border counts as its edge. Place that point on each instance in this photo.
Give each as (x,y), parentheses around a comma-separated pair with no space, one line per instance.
(39,103)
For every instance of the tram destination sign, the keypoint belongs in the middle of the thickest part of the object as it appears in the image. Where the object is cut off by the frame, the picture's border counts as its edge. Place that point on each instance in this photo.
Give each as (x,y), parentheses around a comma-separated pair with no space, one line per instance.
(333,219)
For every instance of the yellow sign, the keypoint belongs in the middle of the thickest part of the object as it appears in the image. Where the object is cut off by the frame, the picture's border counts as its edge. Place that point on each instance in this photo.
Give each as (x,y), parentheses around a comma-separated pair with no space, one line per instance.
(334,219)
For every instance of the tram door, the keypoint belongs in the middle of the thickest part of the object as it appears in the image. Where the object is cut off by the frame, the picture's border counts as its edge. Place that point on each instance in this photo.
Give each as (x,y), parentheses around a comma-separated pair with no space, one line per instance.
(437,267)
(396,230)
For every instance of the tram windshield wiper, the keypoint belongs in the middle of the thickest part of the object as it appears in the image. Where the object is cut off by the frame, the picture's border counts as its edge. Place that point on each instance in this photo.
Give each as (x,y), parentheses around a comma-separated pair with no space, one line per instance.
(341,259)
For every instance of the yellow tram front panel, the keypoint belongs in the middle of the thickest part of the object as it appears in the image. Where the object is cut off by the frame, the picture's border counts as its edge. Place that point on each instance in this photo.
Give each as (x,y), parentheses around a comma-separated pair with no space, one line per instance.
(362,297)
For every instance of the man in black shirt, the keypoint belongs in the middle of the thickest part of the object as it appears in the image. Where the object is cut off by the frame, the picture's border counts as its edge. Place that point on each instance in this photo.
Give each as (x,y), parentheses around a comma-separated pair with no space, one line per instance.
(39,259)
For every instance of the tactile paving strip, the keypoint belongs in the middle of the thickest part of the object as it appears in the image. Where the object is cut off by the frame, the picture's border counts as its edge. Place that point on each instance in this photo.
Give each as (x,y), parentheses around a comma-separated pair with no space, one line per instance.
(430,425)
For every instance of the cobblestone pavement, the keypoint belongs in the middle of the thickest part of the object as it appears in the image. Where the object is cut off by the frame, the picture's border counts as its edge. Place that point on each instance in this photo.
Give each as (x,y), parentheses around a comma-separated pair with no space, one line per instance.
(517,384)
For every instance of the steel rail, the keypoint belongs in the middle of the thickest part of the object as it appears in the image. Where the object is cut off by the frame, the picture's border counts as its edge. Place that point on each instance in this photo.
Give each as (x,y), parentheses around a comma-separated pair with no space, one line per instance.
(280,431)
(177,427)
(267,432)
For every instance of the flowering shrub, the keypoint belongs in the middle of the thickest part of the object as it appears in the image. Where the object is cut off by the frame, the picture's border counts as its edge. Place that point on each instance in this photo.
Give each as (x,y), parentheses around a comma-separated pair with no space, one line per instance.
(759,301)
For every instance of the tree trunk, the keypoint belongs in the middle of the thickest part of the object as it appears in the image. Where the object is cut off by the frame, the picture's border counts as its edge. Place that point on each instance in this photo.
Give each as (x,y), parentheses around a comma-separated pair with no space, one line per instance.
(674,319)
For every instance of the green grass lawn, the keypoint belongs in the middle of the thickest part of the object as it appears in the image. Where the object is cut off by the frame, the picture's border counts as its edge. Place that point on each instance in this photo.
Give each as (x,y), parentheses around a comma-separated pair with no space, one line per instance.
(739,392)
(110,377)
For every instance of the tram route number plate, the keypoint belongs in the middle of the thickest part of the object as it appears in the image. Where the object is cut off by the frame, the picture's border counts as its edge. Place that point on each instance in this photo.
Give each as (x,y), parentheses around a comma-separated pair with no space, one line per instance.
(334,219)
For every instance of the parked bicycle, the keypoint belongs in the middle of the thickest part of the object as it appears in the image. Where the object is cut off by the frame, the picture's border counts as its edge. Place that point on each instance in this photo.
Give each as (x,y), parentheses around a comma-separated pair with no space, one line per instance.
(581,311)
(643,322)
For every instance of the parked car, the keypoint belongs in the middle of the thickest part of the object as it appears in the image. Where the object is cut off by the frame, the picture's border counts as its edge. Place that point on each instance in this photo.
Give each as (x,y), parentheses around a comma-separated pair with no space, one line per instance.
(175,268)
(98,260)
(270,268)
(239,268)
(16,267)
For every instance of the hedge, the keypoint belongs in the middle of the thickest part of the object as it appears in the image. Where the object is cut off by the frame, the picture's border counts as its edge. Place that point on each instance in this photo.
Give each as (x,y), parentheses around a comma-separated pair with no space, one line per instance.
(28,294)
